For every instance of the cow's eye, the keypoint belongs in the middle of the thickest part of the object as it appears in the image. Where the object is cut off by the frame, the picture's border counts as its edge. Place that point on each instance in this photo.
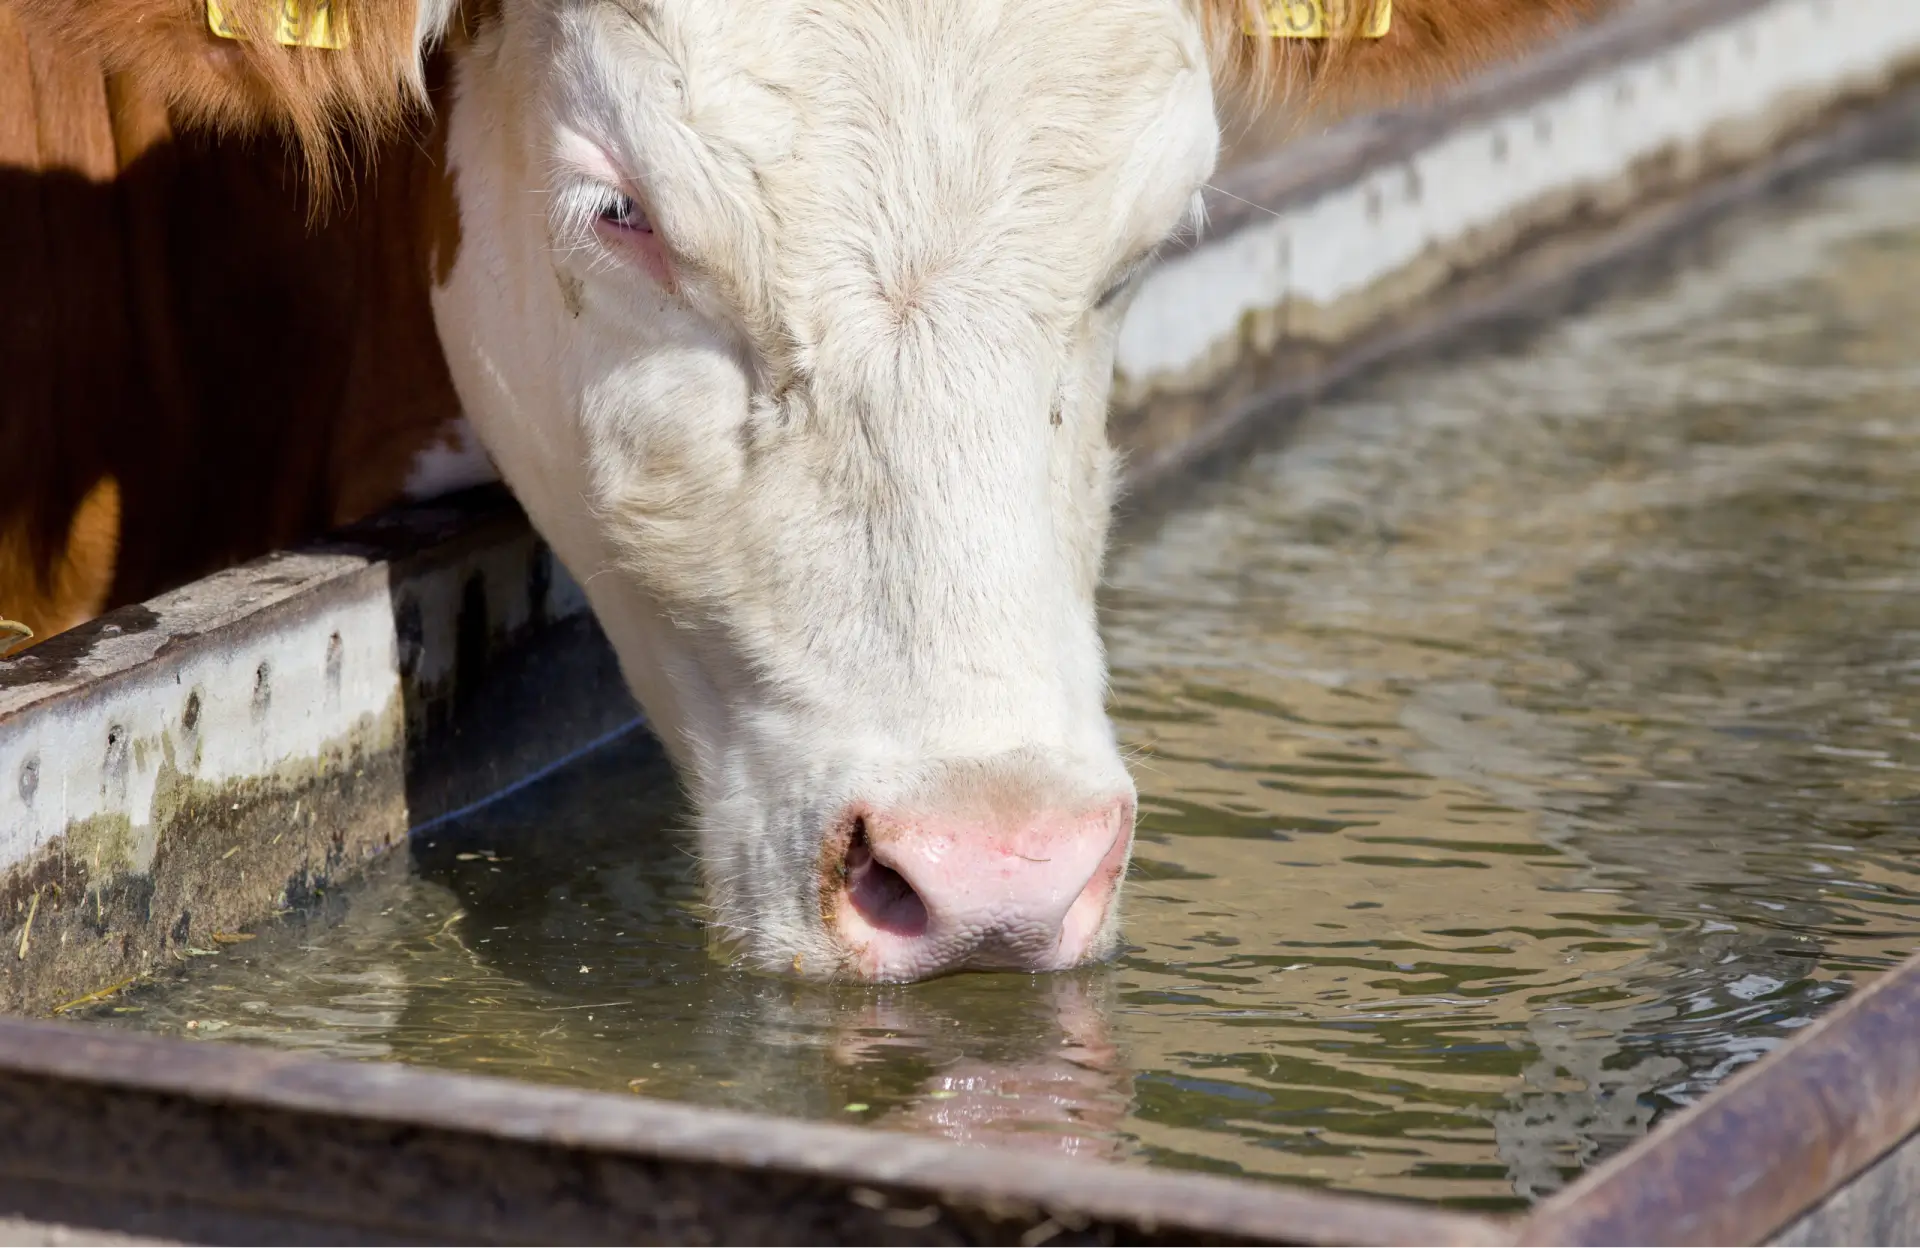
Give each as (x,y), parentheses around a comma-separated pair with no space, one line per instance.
(624,227)
(623,213)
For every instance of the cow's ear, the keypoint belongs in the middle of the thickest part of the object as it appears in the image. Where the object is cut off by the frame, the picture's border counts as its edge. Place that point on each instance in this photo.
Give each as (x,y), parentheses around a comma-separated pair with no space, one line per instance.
(323,71)
(1337,49)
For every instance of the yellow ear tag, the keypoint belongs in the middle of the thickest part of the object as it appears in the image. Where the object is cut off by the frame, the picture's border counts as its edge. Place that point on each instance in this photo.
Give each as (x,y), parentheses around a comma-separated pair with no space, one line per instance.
(293,26)
(1315,19)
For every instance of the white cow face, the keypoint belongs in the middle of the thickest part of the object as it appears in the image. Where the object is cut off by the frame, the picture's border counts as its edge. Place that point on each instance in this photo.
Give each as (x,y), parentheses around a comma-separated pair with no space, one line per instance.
(790,322)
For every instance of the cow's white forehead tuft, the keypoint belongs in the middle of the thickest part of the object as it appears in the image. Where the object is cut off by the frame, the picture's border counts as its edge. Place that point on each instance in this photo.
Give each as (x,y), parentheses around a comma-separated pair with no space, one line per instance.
(890,149)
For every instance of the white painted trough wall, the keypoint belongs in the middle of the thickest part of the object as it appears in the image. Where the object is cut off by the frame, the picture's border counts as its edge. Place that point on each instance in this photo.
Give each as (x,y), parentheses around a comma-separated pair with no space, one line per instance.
(250,674)
(270,702)
(1185,325)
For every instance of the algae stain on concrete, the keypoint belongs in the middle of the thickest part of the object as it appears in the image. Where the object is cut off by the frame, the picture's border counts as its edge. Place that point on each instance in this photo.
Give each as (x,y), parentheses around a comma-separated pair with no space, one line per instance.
(120,898)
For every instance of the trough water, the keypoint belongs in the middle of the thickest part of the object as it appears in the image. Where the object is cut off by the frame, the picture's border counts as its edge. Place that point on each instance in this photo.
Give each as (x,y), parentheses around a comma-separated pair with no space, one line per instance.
(1525,745)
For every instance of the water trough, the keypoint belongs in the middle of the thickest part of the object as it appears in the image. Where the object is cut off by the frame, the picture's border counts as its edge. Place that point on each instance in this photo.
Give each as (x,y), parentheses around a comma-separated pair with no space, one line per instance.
(341,695)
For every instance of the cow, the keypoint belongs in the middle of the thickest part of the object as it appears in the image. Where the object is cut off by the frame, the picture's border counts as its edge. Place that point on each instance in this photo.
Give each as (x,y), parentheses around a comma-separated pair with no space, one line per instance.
(789,323)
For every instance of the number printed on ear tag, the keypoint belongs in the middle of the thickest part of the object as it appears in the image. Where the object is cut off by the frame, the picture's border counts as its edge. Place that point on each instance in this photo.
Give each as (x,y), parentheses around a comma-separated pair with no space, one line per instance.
(1319,19)
(297,26)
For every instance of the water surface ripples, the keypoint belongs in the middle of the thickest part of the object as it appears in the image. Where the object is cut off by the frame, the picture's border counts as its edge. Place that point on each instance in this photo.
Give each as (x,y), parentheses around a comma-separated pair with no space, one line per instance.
(1524,746)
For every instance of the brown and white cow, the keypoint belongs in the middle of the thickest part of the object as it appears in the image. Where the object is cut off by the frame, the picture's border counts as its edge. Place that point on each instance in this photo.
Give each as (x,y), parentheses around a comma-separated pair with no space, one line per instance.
(790,323)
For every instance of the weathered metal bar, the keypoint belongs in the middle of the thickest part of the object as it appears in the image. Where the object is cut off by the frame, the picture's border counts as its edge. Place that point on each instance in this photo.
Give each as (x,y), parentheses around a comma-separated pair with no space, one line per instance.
(1776,1139)
(147,1136)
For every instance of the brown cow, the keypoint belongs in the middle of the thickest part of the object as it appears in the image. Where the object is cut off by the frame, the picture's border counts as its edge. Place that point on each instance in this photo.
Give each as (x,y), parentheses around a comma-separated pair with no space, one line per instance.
(196,373)
(790,324)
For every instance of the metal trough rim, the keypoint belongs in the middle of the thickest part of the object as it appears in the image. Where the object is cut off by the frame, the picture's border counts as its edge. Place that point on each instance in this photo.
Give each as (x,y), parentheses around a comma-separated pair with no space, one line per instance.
(213,1073)
(1719,1172)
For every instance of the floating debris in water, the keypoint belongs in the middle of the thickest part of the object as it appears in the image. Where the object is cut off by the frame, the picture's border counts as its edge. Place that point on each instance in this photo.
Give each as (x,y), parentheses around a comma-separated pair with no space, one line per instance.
(855,1107)
(27,931)
(585,1005)
(94,998)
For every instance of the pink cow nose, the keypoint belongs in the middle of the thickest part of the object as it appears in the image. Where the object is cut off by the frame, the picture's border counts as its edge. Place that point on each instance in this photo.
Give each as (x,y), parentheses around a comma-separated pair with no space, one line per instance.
(917,894)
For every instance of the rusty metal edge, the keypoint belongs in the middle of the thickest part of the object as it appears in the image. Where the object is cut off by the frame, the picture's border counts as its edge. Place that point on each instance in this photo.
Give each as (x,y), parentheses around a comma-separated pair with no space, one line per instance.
(504,1116)
(1769,1144)
(1880,1205)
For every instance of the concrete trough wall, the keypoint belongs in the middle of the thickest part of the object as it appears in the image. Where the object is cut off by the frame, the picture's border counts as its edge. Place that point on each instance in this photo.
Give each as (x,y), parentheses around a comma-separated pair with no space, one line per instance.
(1332,253)
(178,769)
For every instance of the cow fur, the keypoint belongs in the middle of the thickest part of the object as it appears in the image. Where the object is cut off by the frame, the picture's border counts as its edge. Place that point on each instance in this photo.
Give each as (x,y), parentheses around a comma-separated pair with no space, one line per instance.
(326,98)
(102,103)
(330,101)
(194,374)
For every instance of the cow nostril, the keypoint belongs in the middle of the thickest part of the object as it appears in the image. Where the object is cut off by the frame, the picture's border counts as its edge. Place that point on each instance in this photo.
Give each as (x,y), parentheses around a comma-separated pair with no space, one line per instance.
(881,895)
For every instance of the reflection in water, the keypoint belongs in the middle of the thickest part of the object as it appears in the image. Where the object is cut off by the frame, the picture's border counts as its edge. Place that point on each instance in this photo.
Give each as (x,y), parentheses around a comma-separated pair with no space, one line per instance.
(1068,1098)
(577,956)
(1524,747)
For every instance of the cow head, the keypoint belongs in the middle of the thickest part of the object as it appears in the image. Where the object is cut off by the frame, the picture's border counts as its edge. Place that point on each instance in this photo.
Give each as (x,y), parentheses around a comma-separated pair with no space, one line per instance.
(790,322)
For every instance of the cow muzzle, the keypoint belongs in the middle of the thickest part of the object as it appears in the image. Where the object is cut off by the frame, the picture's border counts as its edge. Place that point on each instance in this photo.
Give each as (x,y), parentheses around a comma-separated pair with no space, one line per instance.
(912,892)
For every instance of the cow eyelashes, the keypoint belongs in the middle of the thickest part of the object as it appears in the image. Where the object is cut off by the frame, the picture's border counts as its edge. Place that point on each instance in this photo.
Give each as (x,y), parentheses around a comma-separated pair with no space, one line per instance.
(622,227)
(1128,275)
(621,212)
(1119,288)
